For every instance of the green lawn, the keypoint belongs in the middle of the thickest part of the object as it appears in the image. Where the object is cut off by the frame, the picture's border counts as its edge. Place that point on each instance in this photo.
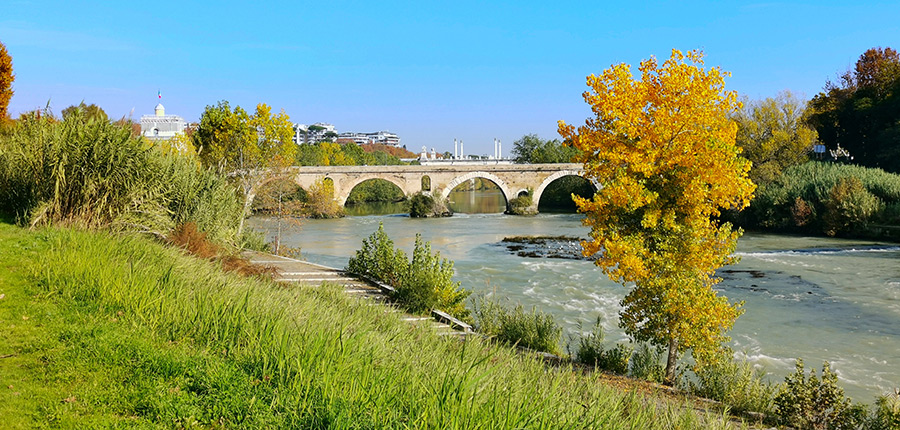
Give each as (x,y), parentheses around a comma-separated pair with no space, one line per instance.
(106,331)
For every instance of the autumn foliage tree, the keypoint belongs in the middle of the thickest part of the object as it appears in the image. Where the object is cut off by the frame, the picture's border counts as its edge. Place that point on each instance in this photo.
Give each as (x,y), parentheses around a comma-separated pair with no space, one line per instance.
(773,135)
(663,149)
(861,113)
(6,79)
(249,148)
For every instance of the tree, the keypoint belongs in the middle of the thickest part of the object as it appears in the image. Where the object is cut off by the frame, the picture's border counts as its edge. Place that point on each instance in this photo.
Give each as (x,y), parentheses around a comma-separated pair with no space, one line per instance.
(663,148)
(6,79)
(89,112)
(774,135)
(247,147)
(862,114)
(532,149)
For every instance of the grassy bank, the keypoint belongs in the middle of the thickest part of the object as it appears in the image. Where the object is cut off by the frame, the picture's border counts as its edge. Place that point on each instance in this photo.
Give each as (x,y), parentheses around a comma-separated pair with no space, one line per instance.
(118,331)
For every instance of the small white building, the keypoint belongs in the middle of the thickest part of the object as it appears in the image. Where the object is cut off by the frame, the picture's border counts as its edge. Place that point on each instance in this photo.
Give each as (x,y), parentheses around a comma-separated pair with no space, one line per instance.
(160,126)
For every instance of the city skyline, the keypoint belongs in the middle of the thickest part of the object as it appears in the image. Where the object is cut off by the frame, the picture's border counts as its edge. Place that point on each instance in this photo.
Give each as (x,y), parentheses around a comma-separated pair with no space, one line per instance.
(428,72)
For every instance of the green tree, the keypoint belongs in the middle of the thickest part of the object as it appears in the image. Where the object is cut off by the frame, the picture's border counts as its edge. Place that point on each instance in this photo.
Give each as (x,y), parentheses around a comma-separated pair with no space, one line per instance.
(89,112)
(6,79)
(246,147)
(663,149)
(532,149)
(862,114)
(774,135)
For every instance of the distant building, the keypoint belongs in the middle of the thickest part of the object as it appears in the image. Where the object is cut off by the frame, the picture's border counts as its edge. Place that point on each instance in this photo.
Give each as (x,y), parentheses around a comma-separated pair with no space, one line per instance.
(160,126)
(319,131)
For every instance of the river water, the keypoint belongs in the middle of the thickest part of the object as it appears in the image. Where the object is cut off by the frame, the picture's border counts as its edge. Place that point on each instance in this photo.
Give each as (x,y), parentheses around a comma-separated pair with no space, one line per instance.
(815,298)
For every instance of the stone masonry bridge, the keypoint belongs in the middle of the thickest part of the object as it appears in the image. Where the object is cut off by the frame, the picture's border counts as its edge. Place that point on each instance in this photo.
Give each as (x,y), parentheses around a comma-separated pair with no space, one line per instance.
(439,180)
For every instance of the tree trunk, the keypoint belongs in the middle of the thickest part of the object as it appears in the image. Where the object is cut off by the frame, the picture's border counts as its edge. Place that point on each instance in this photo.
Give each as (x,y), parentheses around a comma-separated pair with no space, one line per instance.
(670,363)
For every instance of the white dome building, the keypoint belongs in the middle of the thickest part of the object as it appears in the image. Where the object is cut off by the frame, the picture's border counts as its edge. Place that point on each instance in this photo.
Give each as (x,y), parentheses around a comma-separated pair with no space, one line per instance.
(160,126)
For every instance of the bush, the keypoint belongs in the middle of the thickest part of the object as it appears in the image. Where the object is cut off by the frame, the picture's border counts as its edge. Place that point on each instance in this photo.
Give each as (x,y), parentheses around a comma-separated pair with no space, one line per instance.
(521,205)
(422,284)
(811,403)
(735,384)
(645,364)
(422,205)
(534,330)
(592,352)
(849,206)
(320,201)
(378,260)
(887,412)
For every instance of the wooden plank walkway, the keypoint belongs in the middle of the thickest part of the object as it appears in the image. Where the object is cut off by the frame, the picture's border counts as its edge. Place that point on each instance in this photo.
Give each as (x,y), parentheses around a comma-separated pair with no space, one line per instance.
(290,270)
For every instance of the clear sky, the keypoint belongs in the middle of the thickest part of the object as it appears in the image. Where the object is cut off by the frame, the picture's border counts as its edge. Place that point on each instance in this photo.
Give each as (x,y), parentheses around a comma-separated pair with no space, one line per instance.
(429,71)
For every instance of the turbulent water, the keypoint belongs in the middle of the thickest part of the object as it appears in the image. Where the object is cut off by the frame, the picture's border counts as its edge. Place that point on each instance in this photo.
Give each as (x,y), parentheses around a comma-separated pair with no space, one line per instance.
(815,298)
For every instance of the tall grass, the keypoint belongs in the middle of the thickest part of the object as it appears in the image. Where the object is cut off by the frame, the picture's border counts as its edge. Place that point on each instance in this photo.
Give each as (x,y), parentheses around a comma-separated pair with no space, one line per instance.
(329,361)
(514,326)
(91,173)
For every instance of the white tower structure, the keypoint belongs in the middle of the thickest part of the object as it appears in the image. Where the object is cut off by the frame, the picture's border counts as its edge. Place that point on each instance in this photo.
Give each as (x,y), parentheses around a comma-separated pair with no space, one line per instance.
(161,126)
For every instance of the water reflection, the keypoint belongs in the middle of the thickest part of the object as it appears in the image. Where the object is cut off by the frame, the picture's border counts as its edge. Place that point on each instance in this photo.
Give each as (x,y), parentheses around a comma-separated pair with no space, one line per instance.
(477,201)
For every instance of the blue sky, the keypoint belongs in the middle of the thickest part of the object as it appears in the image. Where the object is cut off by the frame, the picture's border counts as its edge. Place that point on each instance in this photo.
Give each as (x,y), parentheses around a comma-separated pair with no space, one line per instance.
(429,71)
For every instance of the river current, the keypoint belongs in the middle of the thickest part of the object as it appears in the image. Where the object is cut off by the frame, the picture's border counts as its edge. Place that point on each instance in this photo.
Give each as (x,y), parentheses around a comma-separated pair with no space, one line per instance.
(815,298)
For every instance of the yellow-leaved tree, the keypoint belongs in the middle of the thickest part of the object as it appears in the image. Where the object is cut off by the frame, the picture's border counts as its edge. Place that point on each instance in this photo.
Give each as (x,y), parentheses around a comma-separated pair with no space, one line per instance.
(663,150)
(249,148)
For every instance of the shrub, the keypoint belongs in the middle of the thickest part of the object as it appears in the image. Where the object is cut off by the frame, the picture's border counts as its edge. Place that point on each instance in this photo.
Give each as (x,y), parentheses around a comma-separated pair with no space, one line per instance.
(378,260)
(320,200)
(422,284)
(253,240)
(849,206)
(534,330)
(887,412)
(592,352)
(428,283)
(521,205)
(421,205)
(813,403)
(735,384)
(645,364)
(801,212)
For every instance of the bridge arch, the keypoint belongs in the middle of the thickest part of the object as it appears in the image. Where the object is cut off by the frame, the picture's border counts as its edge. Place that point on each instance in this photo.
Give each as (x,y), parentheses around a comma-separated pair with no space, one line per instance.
(347,187)
(536,197)
(504,188)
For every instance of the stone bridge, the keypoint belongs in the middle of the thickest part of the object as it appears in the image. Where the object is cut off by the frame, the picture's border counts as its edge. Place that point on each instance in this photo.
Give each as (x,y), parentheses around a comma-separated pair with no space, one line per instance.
(439,180)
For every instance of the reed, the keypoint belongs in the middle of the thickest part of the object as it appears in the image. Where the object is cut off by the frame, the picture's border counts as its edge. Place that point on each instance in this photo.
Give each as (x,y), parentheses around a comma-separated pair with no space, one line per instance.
(87,172)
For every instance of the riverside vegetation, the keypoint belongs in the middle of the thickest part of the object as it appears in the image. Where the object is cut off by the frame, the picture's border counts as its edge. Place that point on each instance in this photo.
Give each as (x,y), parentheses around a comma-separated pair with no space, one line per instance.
(109,327)
(115,330)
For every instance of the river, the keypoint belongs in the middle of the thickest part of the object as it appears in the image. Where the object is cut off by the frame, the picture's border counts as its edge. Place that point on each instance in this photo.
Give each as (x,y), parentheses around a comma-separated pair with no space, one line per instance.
(809,297)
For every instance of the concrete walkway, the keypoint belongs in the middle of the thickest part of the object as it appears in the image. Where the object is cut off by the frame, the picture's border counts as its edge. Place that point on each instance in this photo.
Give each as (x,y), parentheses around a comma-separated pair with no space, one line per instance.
(293,271)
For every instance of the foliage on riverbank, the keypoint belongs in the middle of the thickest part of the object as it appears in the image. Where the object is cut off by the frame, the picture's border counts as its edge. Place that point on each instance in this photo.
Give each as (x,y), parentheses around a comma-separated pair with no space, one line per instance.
(514,325)
(87,172)
(348,154)
(422,205)
(422,283)
(830,198)
(117,331)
